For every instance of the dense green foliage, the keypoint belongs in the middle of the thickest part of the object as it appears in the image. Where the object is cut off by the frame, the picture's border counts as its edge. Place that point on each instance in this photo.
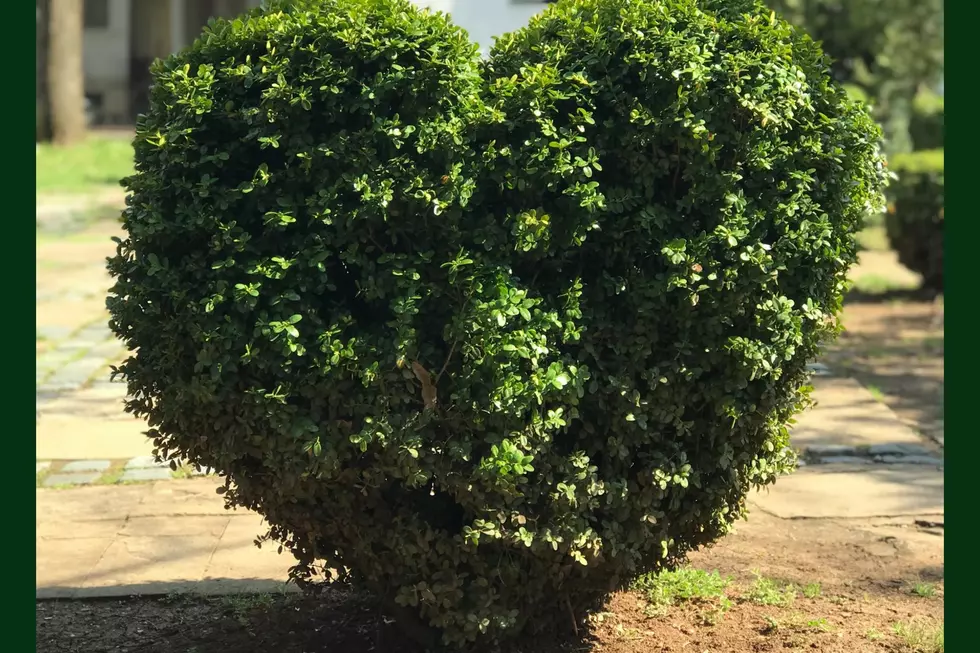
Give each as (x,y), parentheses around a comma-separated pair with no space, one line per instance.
(489,338)
(889,48)
(915,218)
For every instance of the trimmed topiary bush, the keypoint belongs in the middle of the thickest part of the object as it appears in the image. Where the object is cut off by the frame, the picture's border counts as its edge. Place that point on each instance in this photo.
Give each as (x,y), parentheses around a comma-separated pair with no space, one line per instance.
(489,339)
(915,216)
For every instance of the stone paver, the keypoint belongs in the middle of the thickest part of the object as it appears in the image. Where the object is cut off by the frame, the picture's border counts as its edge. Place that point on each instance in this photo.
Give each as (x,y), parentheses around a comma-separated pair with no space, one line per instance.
(848,491)
(847,460)
(85,478)
(154,474)
(909,460)
(848,415)
(862,461)
(150,539)
(144,462)
(82,437)
(79,413)
(898,449)
(86,466)
(56,579)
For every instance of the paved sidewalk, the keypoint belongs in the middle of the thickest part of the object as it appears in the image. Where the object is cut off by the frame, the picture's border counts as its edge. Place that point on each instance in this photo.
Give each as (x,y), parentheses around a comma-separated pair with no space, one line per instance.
(79,410)
(157,538)
(859,460)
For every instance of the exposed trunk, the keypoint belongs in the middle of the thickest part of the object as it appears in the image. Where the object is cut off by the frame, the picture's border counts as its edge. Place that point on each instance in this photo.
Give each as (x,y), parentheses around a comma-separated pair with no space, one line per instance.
(66,77)
(43,124)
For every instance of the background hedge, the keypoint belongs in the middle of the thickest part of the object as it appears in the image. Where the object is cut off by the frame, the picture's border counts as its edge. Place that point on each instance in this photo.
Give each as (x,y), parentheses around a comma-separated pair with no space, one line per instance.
(916,218)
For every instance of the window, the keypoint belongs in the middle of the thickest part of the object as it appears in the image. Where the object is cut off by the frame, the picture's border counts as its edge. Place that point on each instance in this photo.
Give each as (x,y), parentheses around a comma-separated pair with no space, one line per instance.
(96,14)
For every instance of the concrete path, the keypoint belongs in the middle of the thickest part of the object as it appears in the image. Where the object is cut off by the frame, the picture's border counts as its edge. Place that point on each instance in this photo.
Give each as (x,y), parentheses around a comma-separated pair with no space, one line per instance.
(154,538)
(79,410)
(859,460)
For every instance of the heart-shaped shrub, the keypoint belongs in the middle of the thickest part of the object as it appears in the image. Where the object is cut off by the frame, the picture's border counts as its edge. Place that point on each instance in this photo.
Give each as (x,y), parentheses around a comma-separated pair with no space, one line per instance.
(489,338)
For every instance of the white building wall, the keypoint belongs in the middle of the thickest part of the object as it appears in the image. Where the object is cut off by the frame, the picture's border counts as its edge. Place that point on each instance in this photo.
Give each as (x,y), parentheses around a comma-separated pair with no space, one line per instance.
(105,56)
(107,50)
(485,19)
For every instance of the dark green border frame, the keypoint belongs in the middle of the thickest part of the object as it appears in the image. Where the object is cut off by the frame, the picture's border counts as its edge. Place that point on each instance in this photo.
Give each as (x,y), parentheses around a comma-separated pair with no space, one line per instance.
(18,113)
(958,592)
(957,255)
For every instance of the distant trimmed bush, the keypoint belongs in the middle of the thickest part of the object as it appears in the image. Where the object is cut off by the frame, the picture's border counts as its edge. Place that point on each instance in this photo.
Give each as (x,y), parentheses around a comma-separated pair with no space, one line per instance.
(927,127)
(916,218)
(489,339)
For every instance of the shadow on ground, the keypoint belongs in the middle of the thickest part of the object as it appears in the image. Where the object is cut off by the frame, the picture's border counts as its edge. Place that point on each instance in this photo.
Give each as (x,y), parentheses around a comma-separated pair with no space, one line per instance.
(144,618)
(896,349)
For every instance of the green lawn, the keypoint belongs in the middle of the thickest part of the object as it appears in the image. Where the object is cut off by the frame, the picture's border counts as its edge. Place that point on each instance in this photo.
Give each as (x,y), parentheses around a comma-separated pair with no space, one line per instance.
(92,165)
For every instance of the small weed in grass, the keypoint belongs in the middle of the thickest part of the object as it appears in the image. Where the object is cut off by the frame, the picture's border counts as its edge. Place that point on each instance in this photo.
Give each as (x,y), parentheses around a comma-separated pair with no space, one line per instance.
(627,633)
(772,625)
(874,634)
(921,636)
(182,472)
(795,622)
(811,590)
(711,616)
(819,624)
(170,598)
(242,605)
(111,477)
(766,591)
(925,590)
(664,589)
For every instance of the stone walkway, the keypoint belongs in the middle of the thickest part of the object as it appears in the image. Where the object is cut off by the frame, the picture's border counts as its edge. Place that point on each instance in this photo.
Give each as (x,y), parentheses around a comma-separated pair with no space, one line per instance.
(859,460)
(74,473)
(79,412)
(153,538)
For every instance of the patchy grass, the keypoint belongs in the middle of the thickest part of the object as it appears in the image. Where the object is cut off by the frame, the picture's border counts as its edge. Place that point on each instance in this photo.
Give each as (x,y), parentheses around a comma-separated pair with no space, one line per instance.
(876,393)
(242,606)
(111,476)
(876,284)
(796,622)
(874,635)
(90,166)
(923,589)
(182,472)
(921,635)
(665,589)
(765,591)
(811,590)
(710,616)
